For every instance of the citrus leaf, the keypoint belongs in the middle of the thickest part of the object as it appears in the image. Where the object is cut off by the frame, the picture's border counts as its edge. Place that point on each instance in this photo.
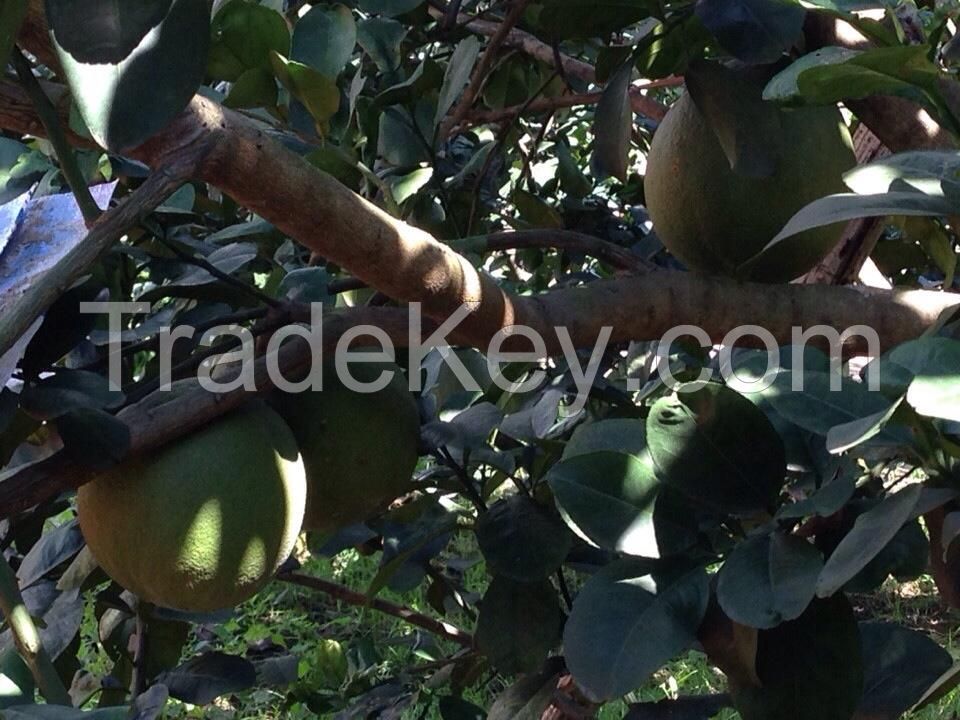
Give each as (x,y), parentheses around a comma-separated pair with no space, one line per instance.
(140,89)
(755,31)
(716,447)
(769,579)
(625,624)
(612,128)
(324,39)
(522,540)
(870,534)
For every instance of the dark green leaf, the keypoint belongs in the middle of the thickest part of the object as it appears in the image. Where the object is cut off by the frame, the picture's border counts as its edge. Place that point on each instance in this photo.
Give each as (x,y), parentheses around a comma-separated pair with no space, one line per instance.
(870,534)
(103,31)
(626,624)
(53,549)
(318,93)
(755,31)
(12,13)
(769,579)
(527,698)
(202,679)
(125,101)
(457,75)
(622,435)
(68,390)
(783,85)
(899,666)
(20,167)
(614,501)
(841,438)
(257,87)
(612,128)
(522,540)
(390,8)
(243,35)
(565,19)
(149,705)
(381,38)
(809,668)
(932,172)
(16,681)
(716,447)
(94,438)
(519,624)
(324,39)
(456,708)
(748,128)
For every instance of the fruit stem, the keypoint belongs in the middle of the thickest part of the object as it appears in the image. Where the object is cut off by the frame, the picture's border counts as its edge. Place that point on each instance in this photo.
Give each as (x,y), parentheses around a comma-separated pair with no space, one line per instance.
(27,639)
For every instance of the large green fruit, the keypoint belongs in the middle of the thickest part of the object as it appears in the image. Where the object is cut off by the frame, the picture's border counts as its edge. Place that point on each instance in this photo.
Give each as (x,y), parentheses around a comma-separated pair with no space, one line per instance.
(714,219)
(203,523)
(359,449)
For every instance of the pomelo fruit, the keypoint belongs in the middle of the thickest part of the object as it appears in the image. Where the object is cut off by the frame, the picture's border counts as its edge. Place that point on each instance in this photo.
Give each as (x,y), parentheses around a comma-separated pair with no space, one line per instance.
(203,523)
(359,448)
(714,219)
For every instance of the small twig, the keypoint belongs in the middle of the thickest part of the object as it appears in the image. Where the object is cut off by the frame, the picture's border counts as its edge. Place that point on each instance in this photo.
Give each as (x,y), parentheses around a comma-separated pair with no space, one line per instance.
(27,639)
(205,264)
(345,594)
(152,343)
(51,123)
(552,104)
(482,70)
(475,497)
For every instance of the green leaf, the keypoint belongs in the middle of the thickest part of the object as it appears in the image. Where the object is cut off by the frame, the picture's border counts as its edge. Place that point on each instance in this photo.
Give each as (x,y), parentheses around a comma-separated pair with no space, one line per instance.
(257,87)
(748,129)
(612,128)
(572,180)
(899,666)
(68,390)
(20,168)
(904,557)
(809,668)
(870,534)
(243,36)
(615,502)
(817,408)
(521,540)
(673,47)
(755,31)
(566,19)
(390,8)
(407,186)
(769,579)
(204,678)
(627,623)
(103,31)
(716,447)
(16,681)
(527,698)
(622,435)
(536,212)
(452,707)
(931,172)
(842,207)
(519,624)
(318,93)
(457,75)
(12,13)
(93,438)
(845,436)
(128,99)
(381,39)
(783,85)
(324,39)
(59,712)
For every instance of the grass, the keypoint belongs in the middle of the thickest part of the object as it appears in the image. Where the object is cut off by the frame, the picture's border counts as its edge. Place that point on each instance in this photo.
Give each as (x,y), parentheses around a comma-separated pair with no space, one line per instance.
(375,648)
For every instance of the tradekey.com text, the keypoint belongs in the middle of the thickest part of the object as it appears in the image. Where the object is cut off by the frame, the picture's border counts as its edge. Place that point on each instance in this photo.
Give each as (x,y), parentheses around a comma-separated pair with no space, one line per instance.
(378,347)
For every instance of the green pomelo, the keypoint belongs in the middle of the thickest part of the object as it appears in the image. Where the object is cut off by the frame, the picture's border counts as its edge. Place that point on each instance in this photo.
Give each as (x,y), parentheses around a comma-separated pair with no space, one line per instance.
(359,448)
(203,523)
(714,219)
